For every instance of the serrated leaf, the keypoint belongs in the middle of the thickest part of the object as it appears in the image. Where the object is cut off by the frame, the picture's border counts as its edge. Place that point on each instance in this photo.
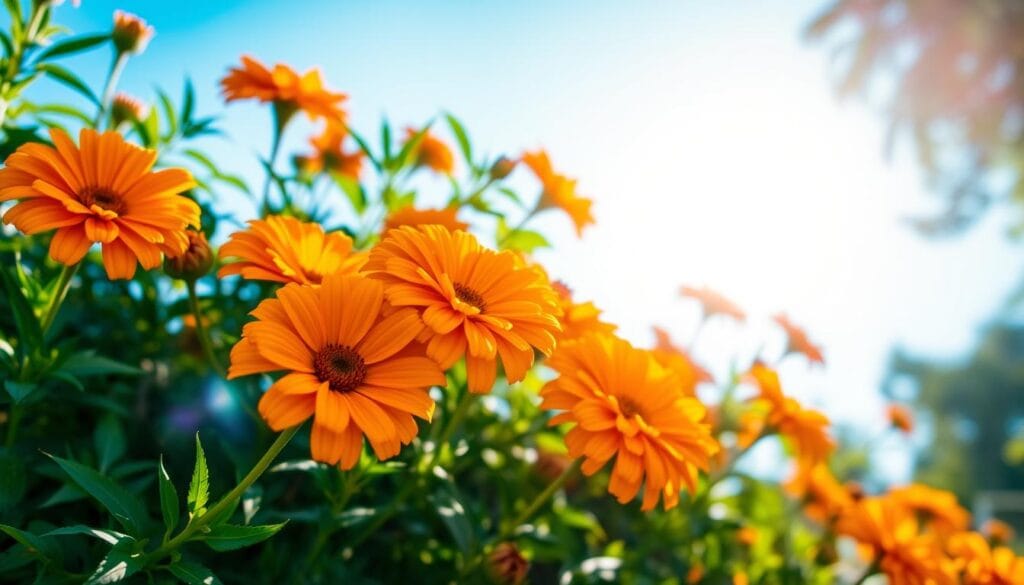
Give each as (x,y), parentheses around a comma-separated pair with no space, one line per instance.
(108,438)
(122,505)
(72,45)
(199,487)
(169,506)
(230,537)
(193,574)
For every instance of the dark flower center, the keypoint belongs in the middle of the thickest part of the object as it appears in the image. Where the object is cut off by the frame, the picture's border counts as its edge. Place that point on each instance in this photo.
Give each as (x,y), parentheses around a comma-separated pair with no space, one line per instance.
(470,296)
(340,366)
(628,407)
(104,198)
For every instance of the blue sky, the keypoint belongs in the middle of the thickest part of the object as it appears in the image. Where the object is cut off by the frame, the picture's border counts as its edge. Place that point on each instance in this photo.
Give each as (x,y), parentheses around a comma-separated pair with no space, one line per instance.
(706,133)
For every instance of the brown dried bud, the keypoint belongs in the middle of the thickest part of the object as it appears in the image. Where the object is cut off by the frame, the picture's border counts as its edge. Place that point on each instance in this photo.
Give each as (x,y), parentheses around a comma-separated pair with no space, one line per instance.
(195,262)
(502,168)
(131,34)
(507,566)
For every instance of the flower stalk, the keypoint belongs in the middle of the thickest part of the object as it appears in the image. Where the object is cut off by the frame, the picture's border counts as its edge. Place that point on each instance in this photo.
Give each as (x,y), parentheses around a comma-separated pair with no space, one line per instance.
(201,332)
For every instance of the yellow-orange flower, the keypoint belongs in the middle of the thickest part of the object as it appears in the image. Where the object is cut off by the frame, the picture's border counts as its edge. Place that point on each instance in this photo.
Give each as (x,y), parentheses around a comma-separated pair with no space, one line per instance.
(806,429)
(888,532)
(981,564)
(431,152)
(101,191)
(412,216)
(997,531)
(283,86)
(939,508)
(130,34)
(559,191)
(329,154)
(798,342)
(355,370)
(823,496)
(713,303)
(578,319)
(900,418)
(625,406)
(284,249)
(678,360)
(475,302)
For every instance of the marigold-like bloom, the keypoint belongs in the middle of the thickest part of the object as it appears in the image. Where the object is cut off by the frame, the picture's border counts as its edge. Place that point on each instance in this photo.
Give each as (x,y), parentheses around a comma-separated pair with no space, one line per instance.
(359,372)
(940,510)
(747,535)
(997,531)
(412,216)
(194,262)
(806,429)
(329,154)
(284,249)
(713,303)
(130,34)
(900,418)
(678,360)
(623,404)
(283,86)
(578,319)
(980,564)
(825,499)
(474,301)
(102,191)
(888,532)
(431,152)
(125,108)
(797,340)
(559,191)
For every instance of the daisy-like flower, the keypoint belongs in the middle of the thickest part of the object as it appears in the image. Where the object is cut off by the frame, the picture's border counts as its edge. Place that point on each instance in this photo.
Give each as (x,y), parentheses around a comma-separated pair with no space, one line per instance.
(625,406)
(889,534)
(431,152)
(713,303)
(900,418)
(824,498)
(798,342)
(284,249)
(329,154)
(678,360)
(939,509)
(982,564)
(285,88)
(101,191)
(131,34)
(474,302)
(559,191)
(354,370)
(578,319)
(412,216)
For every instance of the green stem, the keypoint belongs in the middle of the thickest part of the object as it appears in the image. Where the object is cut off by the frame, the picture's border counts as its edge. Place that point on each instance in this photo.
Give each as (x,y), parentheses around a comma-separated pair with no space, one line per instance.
(518,227)
(461,409)
(201,332)
(12,424)
(15,62)
(283,113)
(197,524)
(63,284)
(541,499)
(116,67)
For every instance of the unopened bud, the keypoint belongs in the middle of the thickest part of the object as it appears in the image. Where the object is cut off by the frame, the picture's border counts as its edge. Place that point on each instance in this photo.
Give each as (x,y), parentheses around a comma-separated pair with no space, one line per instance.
(125,108)
(502,168)
(194,262)
(131,34)
(507,566)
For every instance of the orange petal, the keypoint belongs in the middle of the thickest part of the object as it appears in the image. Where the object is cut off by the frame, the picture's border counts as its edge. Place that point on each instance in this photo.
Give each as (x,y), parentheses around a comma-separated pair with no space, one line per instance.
(405,372)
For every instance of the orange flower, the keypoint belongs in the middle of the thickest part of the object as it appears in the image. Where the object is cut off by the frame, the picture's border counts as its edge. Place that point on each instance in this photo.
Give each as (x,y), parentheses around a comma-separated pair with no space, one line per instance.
(798,341)
(431,152)
(558,191)
(409,215)
(355,370)
(578,319)
(103,191)
(900,418)
(284,249)
(474,301)
(824,497)
(713,303)
(130,34)
(939,508)
(981,564)
(678,360)
(747,535)
(806,429)
(997,531)
(329,153)
(624,405)
(889,532)
(283,86)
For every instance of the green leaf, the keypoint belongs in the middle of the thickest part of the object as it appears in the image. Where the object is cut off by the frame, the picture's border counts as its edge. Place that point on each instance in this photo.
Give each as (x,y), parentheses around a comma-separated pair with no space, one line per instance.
(36,545)
(169,114)
(120,563)
(19,390)
(453,515)
(363,146)
(72,45)
(168,498)
(110,536)
(461,137)
(69,79)
(524,240)
(109,441)
(122,505)
(29,331)
(87,363)
(12,480)
(231,537)
(193,574)
(353,190)
(199,487)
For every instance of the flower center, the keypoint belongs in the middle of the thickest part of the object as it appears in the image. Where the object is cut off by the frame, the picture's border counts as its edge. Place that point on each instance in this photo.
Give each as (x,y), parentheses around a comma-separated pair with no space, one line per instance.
(628,407)
(469,296)
(340,366)
(103,198)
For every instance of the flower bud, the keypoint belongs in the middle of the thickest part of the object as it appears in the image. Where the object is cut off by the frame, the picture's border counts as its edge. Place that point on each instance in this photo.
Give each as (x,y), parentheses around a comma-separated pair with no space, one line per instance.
(502,168)
(507,566)
(126,108)
(194,262)
(131,34)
